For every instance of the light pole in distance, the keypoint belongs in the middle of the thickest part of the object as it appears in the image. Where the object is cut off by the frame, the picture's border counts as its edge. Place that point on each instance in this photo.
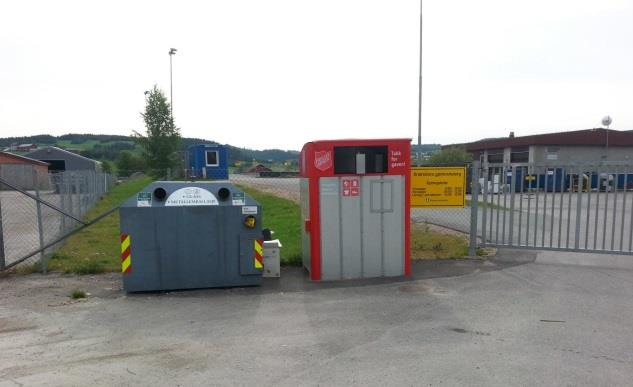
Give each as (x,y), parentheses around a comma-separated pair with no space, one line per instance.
(172,52)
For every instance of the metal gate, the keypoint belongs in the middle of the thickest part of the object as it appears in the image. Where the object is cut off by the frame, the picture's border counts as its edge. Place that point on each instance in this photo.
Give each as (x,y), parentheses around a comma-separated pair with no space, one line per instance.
(579,207)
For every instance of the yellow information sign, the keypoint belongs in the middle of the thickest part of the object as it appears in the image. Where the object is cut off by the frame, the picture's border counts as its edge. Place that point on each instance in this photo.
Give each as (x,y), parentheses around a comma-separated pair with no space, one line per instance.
(438,187)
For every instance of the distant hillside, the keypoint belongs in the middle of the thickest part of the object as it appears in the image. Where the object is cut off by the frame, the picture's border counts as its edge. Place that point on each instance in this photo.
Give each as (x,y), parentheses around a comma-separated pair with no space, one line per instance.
(107,147)
(425,148)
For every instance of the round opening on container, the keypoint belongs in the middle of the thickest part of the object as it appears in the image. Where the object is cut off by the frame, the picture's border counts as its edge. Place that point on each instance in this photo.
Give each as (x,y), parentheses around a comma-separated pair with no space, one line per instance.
(250,221)
(224,193)
(160,193)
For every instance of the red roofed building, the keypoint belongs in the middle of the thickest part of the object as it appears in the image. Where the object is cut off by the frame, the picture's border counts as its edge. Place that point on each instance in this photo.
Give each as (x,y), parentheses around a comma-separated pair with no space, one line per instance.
(19,171)
(583,146)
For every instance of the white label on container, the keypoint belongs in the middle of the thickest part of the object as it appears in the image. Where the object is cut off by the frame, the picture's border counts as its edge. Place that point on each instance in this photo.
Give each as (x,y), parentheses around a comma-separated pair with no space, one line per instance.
(249,210)
(144,199)
(191,196)
(238,199)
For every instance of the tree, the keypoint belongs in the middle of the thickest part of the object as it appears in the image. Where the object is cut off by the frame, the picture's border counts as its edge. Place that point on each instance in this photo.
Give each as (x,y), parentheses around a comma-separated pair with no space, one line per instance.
(454,155)
(162,137)
(127,163)
(106,166)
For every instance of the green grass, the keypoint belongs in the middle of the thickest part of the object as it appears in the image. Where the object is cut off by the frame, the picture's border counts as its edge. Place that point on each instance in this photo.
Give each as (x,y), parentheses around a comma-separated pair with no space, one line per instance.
(77,294)
(283,216)
(429,244)
(96,248)
(29,268)
(89,144)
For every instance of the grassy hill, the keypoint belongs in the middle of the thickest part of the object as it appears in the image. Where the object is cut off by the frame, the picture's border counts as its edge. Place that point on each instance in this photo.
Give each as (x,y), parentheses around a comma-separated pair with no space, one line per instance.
(107,147)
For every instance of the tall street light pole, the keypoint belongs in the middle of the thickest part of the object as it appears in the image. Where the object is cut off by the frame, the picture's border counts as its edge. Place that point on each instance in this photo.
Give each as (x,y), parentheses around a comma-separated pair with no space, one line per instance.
(420,84)
(172,52)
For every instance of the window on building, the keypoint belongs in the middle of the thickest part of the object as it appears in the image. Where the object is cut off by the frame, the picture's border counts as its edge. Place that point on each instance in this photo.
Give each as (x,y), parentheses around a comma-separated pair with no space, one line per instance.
(495,156)
(520,155)
(212,158)
(552,152)
(56,165)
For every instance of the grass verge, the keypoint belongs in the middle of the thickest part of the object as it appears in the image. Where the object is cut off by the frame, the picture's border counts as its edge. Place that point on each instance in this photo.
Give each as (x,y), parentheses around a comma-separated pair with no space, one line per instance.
(283,216)
(430,244)
(77,294)
(96,248)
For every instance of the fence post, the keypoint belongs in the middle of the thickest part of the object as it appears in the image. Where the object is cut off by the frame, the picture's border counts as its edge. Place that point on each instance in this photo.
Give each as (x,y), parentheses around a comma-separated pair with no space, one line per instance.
(61,184)
(2,259)
(579,209)
(91,189)
(95,189)
(474,207)
(69,194)
(77,193)
(40,228)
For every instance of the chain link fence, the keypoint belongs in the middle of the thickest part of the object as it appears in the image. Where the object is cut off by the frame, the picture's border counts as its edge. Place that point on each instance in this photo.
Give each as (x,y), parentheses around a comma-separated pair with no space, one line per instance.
(37,207)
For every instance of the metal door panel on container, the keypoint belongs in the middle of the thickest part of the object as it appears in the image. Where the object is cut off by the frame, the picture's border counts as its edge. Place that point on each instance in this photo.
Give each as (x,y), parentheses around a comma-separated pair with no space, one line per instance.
(371,226)
(393,225)
(351,264)
(330,228)
(188,246)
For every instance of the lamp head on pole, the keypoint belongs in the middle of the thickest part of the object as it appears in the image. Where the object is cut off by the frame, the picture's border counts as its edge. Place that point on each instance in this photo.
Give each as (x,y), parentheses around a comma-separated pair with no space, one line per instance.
(172,51)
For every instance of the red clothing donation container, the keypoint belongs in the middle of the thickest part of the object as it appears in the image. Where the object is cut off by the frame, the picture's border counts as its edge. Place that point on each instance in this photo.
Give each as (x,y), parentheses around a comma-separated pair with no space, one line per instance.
(355,208)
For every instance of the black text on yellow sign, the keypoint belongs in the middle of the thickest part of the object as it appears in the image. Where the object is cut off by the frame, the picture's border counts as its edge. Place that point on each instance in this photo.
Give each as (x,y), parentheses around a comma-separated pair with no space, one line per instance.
(438,187)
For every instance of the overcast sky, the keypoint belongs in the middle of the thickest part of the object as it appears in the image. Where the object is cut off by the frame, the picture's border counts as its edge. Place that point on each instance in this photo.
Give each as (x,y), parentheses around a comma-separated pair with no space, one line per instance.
(274,73)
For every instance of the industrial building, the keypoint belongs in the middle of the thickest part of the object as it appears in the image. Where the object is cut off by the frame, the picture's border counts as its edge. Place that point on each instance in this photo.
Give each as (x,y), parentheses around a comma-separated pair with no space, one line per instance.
(586,146)
(564,161)
(61,160)
(22,171)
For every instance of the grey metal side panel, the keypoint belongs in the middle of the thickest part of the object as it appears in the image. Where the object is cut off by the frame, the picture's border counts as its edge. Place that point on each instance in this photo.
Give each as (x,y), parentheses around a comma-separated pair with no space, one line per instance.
(305,214)
(330,228)
(371,226)
(351,236)
(188,241)
(393,225)
(138,224)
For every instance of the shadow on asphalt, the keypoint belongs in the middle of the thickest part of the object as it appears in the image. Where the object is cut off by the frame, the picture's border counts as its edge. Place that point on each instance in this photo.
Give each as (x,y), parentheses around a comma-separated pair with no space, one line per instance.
(295,279)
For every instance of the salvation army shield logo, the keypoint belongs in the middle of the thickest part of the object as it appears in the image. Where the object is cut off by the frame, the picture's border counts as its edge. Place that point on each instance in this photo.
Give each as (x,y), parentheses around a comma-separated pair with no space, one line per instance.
(323,160)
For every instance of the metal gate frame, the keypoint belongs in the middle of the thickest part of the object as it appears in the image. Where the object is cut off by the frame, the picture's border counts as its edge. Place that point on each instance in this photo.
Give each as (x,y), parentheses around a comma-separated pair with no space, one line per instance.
(577,207)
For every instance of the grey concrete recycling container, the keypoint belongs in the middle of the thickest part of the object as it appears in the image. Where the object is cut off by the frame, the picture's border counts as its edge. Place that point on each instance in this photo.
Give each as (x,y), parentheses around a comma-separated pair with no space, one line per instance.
(187,235)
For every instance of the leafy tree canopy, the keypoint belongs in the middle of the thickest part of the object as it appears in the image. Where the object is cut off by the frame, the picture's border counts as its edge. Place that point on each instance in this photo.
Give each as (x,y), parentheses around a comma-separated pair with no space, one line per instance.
(162,137)
(456,156)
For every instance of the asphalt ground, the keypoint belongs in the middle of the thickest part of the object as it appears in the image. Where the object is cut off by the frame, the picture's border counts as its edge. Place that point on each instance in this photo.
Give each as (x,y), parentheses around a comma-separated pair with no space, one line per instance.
(524,318)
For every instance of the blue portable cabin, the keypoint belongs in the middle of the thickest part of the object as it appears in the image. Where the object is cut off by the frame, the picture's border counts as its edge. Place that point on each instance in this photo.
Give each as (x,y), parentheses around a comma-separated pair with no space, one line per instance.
(208,161)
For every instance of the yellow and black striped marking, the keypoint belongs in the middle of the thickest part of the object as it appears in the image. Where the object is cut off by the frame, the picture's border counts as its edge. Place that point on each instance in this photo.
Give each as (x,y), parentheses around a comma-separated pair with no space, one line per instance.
(259,254)
(126,254)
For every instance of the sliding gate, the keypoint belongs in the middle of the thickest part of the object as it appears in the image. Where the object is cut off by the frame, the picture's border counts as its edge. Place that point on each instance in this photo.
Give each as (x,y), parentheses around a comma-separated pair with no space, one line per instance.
(554,206)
